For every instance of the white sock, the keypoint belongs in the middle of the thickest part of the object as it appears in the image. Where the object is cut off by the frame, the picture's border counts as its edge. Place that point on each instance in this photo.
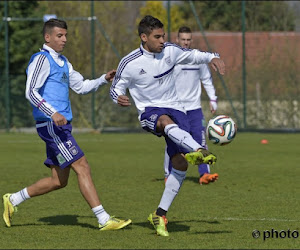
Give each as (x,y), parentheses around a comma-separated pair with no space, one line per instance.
(101,214)
(166,163)
(172,187)
(19,197)
(181,137)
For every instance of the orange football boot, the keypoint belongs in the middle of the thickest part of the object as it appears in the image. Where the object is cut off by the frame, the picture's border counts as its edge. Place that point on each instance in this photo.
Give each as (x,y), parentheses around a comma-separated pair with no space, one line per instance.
(207,178)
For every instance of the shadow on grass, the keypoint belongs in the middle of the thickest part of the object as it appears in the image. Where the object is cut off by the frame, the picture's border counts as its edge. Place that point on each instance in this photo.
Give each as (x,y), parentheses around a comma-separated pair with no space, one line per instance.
(192,179)
(179,226)
(64,220)
(174,226)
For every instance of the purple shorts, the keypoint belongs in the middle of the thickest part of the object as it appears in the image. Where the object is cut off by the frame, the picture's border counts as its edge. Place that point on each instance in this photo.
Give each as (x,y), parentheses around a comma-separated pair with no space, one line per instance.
(62,149)
(198,127)
(149,119)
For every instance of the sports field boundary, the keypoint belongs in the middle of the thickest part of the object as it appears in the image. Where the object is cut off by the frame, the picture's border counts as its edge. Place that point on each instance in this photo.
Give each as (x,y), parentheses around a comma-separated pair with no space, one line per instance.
(30,130)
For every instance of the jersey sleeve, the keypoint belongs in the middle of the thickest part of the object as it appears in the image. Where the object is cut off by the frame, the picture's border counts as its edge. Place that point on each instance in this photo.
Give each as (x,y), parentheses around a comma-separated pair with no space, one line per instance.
(121,82)
(207,82)
(37,73)
(81,86)
(192,56)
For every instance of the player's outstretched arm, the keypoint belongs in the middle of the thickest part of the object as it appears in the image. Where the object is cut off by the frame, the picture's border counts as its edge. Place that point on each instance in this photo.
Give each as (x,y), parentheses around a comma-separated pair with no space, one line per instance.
(123,101)
(218,65)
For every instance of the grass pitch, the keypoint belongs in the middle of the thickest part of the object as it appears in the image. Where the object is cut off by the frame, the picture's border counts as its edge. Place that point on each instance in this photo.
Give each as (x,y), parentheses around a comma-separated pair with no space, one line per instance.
(258,189)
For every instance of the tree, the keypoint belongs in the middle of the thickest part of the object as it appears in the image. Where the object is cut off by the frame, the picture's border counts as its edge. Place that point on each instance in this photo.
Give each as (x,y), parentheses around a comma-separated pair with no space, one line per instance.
(269,16)
(157,9)
(226,15)
(23,42)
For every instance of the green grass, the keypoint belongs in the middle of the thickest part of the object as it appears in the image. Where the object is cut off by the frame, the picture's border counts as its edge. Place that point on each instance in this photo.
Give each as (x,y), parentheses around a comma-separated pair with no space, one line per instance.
(258,188)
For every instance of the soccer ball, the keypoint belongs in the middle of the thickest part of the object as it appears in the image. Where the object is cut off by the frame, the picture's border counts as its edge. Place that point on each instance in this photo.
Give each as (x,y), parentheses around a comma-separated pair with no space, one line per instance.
(221,130)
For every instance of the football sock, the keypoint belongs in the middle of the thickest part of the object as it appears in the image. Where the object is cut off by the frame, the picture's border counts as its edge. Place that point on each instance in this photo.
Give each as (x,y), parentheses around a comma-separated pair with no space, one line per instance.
(203,169)
(161,212)
(181,137)
(19,197)
(172,187)
(101,214)
(167,166)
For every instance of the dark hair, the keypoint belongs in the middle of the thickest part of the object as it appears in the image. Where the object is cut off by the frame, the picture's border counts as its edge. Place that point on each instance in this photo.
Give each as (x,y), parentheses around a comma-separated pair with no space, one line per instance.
(149,23)
(184,29)
(51,23)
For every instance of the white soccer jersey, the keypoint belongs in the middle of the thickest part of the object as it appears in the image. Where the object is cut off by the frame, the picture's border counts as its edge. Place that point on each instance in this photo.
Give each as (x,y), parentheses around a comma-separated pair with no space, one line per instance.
(149,76)
(39,70)
(188,79)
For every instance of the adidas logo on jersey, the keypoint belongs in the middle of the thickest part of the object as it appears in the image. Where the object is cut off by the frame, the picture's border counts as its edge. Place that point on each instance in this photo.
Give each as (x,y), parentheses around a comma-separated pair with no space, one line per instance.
(142,72)
(64,78)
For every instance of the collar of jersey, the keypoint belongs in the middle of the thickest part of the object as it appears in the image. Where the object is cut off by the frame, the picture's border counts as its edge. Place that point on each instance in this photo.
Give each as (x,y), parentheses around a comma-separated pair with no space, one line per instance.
(51,51)
(146,53)
(56,56)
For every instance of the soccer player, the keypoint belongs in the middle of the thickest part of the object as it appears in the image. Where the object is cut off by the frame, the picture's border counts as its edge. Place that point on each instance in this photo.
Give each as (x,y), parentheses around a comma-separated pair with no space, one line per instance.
(49,77)
(188,79)
(148,74)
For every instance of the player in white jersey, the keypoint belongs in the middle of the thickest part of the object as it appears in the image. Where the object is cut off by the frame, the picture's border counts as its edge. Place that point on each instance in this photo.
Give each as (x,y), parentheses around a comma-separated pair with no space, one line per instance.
(49,77)
(148,74)
(188,79)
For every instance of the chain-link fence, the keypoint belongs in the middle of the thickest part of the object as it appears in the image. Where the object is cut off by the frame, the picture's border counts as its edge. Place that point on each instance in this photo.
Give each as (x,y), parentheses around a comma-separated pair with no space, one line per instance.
(267,99)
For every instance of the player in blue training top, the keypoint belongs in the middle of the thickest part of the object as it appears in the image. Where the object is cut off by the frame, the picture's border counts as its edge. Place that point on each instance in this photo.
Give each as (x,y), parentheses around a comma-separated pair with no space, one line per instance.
(188,79)
(148,74)
(49,77)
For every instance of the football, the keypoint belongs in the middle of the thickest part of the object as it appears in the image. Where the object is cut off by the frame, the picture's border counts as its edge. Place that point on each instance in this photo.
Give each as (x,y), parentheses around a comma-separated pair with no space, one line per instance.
(221,130)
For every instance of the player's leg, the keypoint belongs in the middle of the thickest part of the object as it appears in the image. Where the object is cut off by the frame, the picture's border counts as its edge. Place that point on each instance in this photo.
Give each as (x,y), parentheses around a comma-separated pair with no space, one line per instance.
(58,157)
(167,164)
(174,139)
(59,179)
(195,153)
(159,122)
(71,154)
(175,177)
(197,128)
(62,150)
(172,186)
(197,131)
(173,183)
(89,192)
(85,182)
(167,126)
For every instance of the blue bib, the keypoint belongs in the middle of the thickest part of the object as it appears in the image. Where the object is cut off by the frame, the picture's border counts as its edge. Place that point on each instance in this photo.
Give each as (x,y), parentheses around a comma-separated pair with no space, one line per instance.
(55,91)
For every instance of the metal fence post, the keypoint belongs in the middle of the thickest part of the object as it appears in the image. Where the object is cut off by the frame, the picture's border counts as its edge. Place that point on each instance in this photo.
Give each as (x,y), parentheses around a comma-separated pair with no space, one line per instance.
(244,65)
(93,60)
(169,22)
(7,89)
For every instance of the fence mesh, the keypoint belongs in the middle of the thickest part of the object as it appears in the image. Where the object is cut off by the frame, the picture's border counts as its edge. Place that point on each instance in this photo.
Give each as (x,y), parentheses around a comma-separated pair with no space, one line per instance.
(270,101)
